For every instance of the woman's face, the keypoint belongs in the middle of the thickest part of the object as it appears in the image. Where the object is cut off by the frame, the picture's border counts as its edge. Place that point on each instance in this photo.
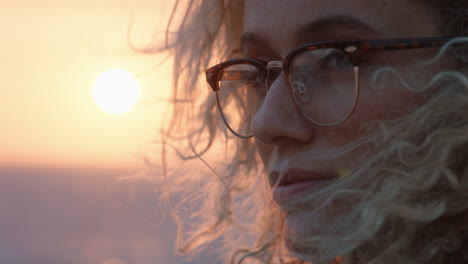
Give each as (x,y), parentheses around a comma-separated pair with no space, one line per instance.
(285,139)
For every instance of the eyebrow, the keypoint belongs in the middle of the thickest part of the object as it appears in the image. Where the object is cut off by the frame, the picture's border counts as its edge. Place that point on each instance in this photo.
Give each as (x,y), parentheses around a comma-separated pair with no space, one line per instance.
(253,38)
(314,28)
(337,21)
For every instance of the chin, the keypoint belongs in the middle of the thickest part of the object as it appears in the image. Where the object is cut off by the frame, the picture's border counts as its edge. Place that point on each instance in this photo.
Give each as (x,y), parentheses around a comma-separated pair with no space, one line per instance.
(298,227)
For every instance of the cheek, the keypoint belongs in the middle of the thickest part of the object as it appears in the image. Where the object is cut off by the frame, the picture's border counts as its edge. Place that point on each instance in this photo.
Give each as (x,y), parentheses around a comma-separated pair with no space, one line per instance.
(386,103)
(386,97)
(374,105)
(265,152)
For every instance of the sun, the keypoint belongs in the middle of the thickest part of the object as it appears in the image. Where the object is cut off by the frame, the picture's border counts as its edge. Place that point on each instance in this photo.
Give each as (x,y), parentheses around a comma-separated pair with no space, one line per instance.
(116,91)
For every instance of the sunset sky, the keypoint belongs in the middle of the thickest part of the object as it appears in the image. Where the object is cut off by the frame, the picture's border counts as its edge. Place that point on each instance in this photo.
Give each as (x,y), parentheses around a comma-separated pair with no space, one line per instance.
(51,54)
(61,155)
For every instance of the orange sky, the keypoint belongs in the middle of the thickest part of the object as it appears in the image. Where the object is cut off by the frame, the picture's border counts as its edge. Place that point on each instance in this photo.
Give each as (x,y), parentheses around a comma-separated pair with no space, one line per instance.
(51,53)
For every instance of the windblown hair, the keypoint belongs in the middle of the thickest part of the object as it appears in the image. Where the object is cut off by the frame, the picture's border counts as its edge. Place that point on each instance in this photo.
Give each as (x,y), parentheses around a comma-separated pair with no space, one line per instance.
(407,202)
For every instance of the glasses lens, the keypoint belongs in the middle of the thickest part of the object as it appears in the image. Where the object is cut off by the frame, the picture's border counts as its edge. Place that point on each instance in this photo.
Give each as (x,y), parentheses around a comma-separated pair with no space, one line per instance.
(241,91)
(323,85)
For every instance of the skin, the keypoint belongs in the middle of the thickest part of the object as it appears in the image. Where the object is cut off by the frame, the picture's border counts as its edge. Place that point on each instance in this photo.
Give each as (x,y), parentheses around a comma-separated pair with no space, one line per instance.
(281,132)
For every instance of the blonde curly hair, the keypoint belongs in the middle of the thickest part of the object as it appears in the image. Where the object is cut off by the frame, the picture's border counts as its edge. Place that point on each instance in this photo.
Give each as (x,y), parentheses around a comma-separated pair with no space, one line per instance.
(407,202)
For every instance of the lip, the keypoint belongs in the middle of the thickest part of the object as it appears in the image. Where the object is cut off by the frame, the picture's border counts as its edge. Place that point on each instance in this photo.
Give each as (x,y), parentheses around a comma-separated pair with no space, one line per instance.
(294,183)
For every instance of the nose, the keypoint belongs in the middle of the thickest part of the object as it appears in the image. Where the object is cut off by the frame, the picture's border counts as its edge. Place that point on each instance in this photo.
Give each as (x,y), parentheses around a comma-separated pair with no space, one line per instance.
(279,120)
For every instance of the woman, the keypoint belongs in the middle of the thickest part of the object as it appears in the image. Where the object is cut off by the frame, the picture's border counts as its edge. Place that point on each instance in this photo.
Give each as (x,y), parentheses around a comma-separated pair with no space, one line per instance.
(342,127)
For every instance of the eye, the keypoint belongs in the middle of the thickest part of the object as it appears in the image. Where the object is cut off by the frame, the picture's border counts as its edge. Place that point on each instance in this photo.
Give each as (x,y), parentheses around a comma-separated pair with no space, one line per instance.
(240,74)
(334,60)
(243,79)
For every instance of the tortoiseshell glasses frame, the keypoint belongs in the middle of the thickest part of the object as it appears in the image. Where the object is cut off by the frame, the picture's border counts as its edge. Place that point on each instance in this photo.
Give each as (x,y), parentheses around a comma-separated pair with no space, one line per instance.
(352,49)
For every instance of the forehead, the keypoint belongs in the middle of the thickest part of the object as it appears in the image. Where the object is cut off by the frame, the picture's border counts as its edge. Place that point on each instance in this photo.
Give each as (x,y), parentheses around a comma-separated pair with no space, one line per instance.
(279,20)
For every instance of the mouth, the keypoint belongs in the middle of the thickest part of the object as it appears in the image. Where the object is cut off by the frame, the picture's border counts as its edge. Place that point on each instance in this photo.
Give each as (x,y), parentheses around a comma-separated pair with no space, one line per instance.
(294,183)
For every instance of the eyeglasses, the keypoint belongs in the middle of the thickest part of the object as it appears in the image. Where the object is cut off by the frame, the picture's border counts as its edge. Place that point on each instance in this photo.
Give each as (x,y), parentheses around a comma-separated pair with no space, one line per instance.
(323,80)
